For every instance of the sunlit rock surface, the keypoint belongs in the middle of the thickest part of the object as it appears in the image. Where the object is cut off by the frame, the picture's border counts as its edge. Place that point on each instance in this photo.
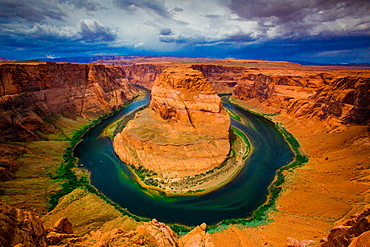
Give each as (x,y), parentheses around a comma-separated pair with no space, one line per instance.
(34,94)
(184,132)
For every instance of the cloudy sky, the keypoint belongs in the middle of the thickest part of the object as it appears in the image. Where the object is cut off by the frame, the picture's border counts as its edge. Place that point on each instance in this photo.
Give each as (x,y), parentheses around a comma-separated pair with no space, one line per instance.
(335,31)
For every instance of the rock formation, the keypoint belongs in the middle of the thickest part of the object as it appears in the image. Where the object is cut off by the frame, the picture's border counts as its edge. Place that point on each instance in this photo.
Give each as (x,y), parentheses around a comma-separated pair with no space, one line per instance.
(20,227)
(9,160)
(336,97)
(223,78)
(143,74)
(197,237)
(185,131)
(34,93)
(344,234)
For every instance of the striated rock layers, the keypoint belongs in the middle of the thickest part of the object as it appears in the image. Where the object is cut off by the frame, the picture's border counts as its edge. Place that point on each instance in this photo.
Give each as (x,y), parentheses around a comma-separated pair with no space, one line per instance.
(335,97)
(32,94)
(184,132)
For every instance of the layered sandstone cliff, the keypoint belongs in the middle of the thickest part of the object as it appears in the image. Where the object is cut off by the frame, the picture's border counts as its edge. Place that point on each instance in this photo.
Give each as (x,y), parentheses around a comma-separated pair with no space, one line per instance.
(335,97)
(33,92)
(223,78)
(143,74)
(184,132)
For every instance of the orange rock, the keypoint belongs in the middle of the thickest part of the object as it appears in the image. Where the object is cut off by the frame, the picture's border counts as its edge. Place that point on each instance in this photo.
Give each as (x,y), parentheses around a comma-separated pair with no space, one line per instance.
(198,237)
(20,227)
(336,97)
(185,131)
(63,225)
(32,92)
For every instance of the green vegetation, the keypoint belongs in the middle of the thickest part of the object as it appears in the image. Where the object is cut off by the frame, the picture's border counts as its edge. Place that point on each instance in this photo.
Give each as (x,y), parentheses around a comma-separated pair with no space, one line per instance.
(266,115)
(245,139)
(260,216)
(68,179)
(233,114)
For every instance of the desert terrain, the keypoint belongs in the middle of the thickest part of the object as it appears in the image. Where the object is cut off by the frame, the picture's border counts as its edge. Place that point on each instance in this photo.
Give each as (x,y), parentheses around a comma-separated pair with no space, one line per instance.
(44,105)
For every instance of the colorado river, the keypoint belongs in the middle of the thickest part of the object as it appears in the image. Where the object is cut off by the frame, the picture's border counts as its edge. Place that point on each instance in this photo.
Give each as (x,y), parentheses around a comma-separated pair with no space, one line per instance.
(237,199)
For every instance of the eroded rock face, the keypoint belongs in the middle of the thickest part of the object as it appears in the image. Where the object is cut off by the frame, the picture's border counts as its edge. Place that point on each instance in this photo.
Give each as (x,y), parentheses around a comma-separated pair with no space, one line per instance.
(20,227)
(198,237)
(344,234)
(32,92)
(185,131)
(335,97)
(9,160)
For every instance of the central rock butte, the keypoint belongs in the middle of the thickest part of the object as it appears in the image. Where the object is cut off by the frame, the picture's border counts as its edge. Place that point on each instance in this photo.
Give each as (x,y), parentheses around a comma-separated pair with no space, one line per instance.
(185,130)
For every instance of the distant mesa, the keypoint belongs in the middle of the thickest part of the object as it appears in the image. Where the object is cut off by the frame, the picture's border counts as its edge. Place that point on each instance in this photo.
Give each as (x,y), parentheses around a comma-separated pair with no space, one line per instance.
(185,130)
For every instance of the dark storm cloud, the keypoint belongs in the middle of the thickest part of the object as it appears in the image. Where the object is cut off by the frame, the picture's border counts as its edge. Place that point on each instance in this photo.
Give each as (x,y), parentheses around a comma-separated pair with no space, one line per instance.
(29,11)
(300,21)
(93,31)
(88,31)
(298,9)
(180,39)
(83,4)
(165,31)
(177,9)
(156,6)
(213,16)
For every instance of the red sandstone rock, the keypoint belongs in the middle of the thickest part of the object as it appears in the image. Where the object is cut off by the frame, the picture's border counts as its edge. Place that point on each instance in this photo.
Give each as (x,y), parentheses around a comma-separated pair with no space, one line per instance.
(344,234)
(31,92)
(63,225)
(20,227)
(336,97)
(185,131)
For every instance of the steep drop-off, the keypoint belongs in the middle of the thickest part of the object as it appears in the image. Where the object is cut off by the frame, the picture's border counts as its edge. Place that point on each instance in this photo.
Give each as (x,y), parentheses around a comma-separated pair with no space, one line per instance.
(185,131)
(335,97)
(34,94)
(223,78)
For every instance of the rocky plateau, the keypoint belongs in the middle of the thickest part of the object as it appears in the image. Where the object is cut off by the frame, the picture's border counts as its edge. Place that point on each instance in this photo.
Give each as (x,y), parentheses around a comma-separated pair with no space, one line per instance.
(184,132)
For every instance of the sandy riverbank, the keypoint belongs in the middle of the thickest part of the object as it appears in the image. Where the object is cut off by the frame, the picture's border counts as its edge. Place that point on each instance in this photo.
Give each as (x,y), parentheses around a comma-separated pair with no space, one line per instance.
(333,184)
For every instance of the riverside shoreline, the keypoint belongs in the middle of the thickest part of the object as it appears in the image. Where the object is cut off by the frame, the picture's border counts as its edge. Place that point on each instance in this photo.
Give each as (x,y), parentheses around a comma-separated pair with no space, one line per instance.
(202,183)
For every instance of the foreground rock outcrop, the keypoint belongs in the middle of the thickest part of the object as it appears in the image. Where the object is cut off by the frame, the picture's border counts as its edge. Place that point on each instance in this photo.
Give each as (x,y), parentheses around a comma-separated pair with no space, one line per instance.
(20,227)
(185,131)
(34,94)
(344,234)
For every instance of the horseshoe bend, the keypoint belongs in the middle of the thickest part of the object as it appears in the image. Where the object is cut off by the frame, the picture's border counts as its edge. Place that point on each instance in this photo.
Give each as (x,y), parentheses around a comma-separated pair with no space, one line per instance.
(185,130)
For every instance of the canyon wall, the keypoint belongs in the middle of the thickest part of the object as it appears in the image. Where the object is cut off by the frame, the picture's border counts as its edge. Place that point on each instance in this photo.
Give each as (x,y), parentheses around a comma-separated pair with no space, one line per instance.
(143,74)
(34,93)
(335,97)
(222,78)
